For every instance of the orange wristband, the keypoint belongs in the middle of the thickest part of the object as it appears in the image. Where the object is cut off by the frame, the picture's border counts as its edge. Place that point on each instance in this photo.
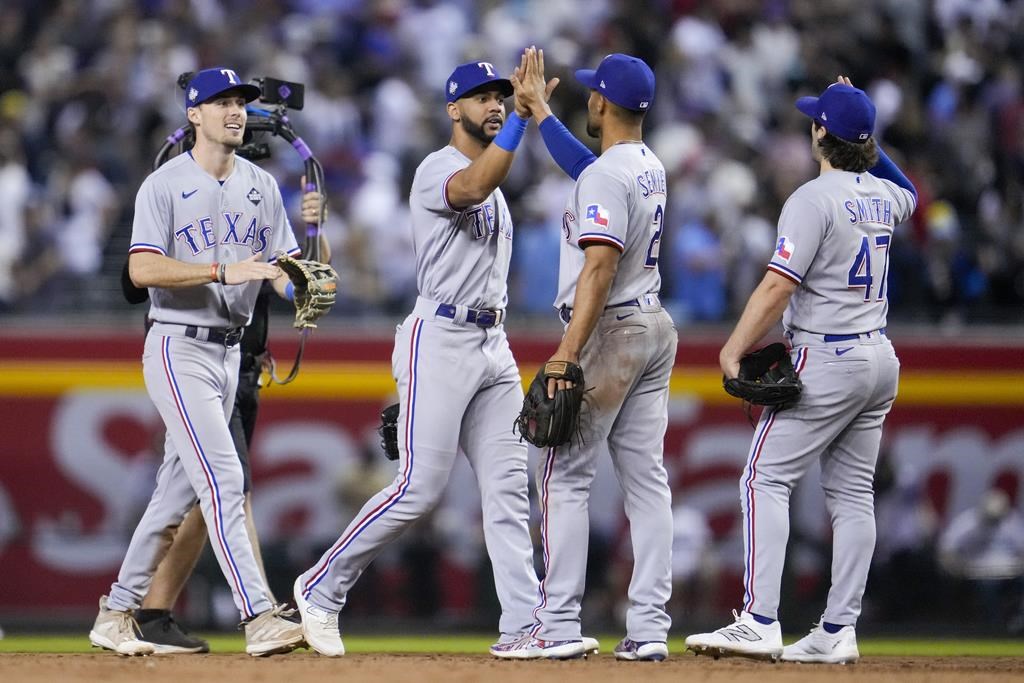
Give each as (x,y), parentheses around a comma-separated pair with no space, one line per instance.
(213,271)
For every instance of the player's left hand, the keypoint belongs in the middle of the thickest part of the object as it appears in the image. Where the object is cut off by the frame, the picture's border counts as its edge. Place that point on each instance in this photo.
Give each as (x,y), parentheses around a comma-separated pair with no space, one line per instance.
(311,206)
(532,91)
(561,384)
(518,74)
(730,364)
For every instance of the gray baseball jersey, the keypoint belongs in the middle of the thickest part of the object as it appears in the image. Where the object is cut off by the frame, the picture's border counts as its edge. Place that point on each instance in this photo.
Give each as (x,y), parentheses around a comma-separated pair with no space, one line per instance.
(619,200)
(462,254)
(842,224)
(183,212)
(458,389)
(834,236)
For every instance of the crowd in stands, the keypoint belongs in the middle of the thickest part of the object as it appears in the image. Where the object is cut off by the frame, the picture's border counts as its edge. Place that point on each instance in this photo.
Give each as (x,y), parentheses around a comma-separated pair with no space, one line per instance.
(88,93)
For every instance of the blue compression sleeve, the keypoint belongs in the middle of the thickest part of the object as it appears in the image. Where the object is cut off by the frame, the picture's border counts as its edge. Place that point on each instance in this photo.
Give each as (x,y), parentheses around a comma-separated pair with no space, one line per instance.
(511,133)
(289,291)
(571,155)
(887,169)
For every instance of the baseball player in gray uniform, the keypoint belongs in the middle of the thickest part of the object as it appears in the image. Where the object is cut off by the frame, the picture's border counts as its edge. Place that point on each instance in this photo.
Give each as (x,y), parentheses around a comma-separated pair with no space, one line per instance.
(626,342)
(827,280)
(458,384)
(205,225)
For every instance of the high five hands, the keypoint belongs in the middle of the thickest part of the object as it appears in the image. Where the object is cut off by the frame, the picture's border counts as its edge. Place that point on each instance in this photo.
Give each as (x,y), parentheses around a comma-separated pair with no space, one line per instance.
(531,91)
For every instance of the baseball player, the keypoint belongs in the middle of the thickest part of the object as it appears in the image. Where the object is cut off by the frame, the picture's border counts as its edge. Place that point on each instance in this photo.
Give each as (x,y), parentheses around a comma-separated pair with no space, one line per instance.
(157,624)
(626,342)
(205,224)
(827,280)
(458,384)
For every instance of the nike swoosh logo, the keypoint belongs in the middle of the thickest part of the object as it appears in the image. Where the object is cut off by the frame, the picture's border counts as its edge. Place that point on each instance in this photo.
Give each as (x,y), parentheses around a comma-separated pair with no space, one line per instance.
(623,317)
(840,352)
(186,195)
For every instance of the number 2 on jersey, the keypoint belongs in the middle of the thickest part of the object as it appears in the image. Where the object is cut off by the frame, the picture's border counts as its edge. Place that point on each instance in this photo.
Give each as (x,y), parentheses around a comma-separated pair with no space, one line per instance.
(861,274)
(658,223)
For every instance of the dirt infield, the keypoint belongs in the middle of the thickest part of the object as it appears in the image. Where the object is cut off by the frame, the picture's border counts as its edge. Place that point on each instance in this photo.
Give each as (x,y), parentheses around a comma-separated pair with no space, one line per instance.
(301,667)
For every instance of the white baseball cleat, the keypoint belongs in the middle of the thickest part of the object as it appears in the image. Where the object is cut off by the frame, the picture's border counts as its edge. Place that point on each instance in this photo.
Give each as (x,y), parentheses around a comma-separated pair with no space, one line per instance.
(118,631)
(528,647)
(821,647)
(746,637)
(591,645)
(319,626)
(641,651)
(271,633)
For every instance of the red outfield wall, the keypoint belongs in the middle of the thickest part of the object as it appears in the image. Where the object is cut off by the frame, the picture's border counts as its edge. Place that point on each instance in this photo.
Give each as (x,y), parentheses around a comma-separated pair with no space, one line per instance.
(76,457)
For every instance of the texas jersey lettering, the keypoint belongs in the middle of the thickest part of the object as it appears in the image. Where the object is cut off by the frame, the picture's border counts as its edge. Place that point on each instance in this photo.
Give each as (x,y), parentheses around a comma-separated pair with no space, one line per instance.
(214,221)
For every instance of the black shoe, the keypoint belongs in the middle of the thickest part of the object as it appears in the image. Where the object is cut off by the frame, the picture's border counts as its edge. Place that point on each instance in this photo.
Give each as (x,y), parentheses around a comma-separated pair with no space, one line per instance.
(159,628)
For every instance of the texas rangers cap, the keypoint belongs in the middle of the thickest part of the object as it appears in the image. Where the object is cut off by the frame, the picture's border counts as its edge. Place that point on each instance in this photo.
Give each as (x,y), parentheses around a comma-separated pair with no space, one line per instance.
(209,83)
(843,110)
(472,76)
(625,80)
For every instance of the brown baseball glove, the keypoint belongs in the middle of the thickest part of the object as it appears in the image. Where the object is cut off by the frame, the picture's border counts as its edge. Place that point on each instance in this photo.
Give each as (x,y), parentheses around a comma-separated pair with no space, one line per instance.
(316,286)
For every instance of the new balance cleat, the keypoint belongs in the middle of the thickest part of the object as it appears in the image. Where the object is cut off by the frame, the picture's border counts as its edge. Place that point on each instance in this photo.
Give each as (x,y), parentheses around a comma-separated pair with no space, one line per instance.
(746,637)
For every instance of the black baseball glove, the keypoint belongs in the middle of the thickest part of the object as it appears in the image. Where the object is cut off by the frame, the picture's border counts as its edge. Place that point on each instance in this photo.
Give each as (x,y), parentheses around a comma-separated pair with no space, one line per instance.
(388,431)
(766,378)
(548,422)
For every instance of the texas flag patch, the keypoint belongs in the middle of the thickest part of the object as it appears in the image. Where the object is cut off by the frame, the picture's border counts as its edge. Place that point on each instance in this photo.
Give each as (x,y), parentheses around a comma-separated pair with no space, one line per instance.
(784,249)
(597,215)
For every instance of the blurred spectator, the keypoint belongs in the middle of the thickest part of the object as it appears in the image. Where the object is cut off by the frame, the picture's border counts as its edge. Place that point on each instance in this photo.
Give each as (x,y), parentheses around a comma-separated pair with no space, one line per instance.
(91,205)
(15,191)
(945,75)
(694,566)
(904,574)
(698,273)
(984,546)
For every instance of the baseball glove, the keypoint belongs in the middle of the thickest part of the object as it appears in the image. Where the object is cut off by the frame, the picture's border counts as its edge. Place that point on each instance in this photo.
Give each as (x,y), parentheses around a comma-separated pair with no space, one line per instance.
(548,422)
(388,431)
(766,378)
(316,286)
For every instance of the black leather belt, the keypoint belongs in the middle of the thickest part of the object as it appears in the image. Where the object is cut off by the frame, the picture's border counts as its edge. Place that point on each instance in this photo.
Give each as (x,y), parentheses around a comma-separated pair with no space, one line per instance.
(480,318)
(224,336)
(849,337)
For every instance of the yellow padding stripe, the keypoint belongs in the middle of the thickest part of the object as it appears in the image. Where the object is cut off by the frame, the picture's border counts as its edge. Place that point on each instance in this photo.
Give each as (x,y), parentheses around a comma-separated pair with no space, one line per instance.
(373,381)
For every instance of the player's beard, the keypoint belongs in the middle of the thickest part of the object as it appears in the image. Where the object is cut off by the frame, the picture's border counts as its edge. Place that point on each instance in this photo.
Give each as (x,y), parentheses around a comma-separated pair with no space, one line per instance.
(476,131)
(593,126)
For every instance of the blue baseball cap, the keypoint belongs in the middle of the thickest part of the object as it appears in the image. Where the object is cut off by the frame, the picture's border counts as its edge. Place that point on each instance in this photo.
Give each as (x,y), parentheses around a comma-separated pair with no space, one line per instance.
(625,80)
(843,110)
(209,83)
(472,76)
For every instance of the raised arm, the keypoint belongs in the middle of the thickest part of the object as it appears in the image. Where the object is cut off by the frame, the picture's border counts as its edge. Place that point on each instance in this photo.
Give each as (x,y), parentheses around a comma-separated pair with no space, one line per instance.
(571,155)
